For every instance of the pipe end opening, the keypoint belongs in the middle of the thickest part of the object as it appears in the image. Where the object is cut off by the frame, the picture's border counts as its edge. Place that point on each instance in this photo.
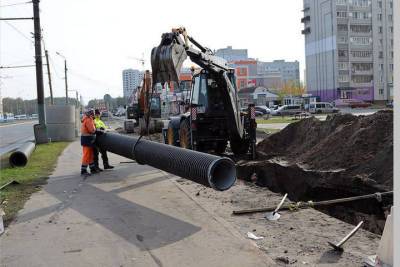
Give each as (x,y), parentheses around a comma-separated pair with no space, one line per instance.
(222,174)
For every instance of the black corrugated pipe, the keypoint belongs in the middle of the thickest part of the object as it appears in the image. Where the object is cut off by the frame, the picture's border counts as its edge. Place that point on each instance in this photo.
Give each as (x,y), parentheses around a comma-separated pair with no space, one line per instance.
(209,170)
(19,157)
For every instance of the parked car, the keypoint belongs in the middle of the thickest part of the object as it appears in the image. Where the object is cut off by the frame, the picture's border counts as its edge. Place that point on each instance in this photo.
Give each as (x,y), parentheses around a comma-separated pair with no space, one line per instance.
(34,116)
(389,104)
(287,110)
(322,107)
(104,114)
(263,109)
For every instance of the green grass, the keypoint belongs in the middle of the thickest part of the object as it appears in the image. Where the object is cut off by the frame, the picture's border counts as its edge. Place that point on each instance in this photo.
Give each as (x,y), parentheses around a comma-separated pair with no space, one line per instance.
(277,119)
(268,130)
(30,178)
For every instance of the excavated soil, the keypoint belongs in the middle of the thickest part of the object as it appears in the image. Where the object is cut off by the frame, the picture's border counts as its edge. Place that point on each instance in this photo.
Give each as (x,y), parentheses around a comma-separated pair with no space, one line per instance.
(343,156)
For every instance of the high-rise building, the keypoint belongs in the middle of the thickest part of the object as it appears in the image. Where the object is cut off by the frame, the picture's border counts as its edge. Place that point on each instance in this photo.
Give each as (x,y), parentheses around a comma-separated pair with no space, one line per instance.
(131,79)
(230,54)
(289,70)
(349,49)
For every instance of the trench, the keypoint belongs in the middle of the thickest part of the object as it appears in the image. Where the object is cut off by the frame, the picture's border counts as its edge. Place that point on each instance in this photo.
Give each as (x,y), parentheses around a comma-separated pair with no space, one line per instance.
(304,185)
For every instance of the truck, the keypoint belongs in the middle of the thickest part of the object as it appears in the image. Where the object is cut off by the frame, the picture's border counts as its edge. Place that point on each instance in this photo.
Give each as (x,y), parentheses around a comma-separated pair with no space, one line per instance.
(213,116)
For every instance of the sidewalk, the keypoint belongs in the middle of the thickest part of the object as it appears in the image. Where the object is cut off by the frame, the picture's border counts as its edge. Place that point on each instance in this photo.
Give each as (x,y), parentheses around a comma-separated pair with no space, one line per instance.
(133,215)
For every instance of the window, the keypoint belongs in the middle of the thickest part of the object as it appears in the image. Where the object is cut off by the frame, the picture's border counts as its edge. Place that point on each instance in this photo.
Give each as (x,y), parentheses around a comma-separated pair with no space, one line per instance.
(360,15)
(341,2)
(342,40)
(361,66)
(361,53)
(381,42)
(391,29)
(381,91)
(391,4)
(342,27)
(391,54)
(343,66)
(380,29)
(381,67)
(341,14)
(343,78)
(361,40)
(380,54)
(380,4)
(391,42)
(361,78)
(379,16)
(342,53)
(360,28)
(390,17)
(361,3)
(391,67)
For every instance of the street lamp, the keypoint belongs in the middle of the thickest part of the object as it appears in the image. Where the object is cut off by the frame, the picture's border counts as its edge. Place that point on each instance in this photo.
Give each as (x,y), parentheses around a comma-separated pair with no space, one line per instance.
(66,81)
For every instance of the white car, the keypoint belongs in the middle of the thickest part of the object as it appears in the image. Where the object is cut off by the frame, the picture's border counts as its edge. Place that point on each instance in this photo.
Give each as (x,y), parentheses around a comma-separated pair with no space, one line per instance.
(287,110)
(264,109)
(322,107)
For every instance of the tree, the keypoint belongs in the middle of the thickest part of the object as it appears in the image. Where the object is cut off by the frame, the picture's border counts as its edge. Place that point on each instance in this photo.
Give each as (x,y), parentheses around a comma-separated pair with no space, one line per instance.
(291,88)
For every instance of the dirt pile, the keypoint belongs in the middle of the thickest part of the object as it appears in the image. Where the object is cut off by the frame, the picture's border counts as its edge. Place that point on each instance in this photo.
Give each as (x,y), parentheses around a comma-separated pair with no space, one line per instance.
(359,145)
(343,156)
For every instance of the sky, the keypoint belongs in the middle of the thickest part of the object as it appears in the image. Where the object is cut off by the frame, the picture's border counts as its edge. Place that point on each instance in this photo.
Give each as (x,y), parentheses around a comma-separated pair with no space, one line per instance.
(101,38)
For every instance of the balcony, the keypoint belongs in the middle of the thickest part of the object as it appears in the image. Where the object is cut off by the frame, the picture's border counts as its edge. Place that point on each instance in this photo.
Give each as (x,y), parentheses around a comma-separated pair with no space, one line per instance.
(306,30)
(305,19)
(362,72)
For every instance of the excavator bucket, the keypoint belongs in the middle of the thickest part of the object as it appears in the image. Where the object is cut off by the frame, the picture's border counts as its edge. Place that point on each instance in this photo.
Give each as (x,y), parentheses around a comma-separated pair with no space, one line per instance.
(167,59)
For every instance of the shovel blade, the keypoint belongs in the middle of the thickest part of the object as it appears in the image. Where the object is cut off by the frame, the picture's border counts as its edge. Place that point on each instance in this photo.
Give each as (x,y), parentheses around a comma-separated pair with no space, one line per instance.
(167,59)
(272,216)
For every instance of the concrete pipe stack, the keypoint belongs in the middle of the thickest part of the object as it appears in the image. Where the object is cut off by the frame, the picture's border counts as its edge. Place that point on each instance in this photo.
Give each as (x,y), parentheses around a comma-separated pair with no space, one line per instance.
(61,123)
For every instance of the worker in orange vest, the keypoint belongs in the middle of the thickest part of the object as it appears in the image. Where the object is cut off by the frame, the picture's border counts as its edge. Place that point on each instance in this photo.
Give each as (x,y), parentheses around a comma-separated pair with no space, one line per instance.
(88,137)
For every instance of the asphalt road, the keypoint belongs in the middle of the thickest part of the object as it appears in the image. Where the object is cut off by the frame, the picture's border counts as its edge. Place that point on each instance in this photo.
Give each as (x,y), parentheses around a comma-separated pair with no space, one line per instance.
(12,135)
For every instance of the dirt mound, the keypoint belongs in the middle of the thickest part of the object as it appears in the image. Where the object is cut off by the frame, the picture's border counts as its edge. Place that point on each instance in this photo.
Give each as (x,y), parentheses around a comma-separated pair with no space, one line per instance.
(360,145)
(316,160)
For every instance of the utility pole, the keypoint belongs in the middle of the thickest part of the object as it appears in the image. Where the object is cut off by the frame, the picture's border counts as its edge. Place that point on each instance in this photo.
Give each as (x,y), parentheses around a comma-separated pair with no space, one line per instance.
(65,77)
(40,130)
(49,75)
(66,82)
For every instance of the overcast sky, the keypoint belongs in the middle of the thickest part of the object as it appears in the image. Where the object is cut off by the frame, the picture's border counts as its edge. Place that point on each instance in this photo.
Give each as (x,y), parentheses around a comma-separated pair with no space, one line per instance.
(98,37)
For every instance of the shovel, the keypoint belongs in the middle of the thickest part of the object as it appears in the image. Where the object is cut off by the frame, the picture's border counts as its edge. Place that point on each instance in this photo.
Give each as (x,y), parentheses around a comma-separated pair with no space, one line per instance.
(273,216)
(338,246)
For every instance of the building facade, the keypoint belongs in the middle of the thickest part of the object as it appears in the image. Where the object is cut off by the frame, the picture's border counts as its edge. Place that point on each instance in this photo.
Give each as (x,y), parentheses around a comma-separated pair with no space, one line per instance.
(131,79)
(230,54)
(288,70)
(349,49)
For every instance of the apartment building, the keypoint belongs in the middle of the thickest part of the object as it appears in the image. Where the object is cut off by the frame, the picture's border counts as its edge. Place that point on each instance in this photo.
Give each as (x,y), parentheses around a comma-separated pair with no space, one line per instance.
(131,79)
(349,49)
(230,54)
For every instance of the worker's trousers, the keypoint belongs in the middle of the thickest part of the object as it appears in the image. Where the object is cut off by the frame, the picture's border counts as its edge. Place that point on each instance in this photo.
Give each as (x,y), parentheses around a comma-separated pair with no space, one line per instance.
(104,156)
(87,157)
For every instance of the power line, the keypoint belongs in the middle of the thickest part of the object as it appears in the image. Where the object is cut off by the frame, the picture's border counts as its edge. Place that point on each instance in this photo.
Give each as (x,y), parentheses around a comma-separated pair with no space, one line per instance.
(16,4)
(16,67)
(20,32)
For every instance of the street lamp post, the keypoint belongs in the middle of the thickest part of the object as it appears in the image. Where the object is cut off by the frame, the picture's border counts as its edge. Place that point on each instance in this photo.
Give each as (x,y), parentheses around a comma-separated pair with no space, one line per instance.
(65,77)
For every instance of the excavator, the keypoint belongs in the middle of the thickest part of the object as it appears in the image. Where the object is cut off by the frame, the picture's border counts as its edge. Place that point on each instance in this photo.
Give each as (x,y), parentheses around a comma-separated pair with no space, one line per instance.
(213,117)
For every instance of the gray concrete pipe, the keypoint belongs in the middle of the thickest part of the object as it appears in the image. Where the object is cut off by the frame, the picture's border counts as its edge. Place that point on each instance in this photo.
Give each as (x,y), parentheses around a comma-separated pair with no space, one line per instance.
(209,170)
(19,157)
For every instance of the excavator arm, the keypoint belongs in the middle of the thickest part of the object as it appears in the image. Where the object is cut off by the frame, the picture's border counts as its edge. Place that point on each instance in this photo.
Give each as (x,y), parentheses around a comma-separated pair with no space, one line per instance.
(167,60)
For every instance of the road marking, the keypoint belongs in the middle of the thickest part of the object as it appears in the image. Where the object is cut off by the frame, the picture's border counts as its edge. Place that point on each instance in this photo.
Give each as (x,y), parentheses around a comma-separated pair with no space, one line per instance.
(15,124)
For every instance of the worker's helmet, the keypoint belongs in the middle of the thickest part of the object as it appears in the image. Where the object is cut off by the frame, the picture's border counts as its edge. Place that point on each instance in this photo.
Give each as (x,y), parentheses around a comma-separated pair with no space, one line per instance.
(89,112)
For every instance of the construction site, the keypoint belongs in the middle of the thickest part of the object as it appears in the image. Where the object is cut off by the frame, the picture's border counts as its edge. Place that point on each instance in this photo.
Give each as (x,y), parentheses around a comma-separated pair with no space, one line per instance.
(204,179)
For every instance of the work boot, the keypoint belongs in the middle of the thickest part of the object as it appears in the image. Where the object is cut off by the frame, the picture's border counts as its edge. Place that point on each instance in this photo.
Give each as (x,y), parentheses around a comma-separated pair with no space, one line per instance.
(85,173)
(94,170)
(108,166)
(98,168)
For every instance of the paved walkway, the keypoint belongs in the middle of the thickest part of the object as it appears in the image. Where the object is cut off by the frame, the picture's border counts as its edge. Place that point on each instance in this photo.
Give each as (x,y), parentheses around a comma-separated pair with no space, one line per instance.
(131,216)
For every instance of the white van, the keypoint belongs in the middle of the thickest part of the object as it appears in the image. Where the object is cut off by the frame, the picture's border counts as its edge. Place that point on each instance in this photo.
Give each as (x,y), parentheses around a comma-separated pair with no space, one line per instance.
(322,107)
(287,110)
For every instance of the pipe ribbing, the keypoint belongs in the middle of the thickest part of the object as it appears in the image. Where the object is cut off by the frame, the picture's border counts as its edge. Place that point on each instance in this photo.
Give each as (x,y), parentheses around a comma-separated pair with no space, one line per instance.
(19,157)
(210,170)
